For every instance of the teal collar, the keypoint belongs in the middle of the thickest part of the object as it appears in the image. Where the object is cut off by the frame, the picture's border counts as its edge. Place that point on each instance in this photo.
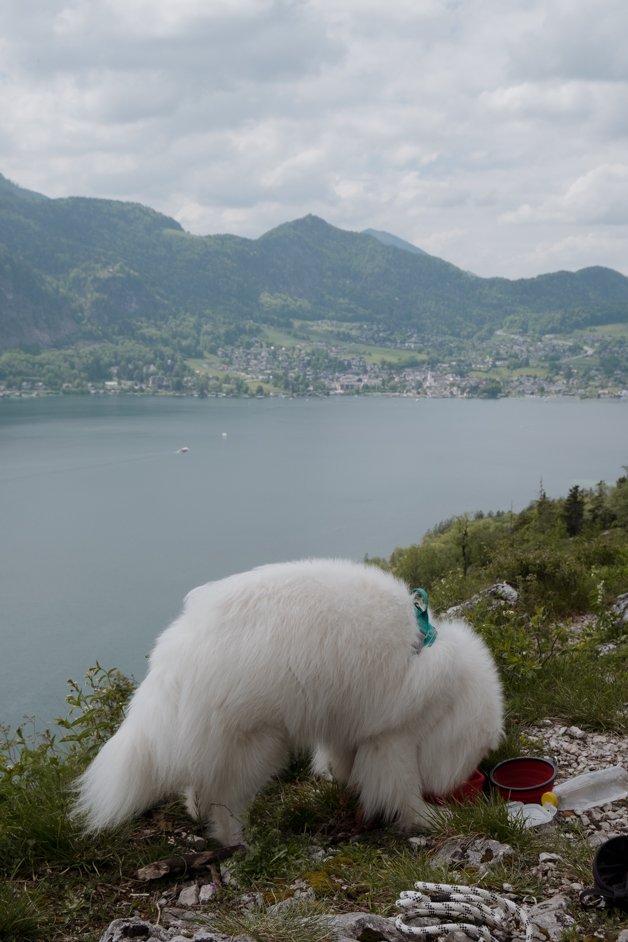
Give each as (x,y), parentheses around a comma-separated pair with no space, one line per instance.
(421,610)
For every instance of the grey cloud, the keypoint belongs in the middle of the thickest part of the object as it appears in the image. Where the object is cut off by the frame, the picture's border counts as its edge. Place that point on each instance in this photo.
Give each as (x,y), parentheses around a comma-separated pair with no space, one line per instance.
(217,71)
(575,41)
(272,42)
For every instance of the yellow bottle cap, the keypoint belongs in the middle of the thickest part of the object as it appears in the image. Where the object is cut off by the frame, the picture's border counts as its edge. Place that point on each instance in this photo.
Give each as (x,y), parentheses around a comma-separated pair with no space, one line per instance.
(549,798)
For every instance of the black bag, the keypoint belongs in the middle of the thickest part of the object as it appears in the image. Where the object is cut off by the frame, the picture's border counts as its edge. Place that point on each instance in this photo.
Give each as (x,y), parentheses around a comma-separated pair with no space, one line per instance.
(610,872)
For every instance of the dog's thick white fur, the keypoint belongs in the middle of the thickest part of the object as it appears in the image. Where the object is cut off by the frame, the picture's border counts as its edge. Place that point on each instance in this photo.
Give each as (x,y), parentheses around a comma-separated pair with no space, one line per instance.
(321,655)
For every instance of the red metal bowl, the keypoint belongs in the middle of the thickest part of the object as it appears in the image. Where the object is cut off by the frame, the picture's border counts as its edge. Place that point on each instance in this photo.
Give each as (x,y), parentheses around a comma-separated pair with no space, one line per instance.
(525,778)
(469,791)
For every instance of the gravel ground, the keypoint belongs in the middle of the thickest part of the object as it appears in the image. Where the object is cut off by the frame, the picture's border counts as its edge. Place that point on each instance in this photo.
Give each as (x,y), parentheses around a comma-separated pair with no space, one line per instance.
(576,751)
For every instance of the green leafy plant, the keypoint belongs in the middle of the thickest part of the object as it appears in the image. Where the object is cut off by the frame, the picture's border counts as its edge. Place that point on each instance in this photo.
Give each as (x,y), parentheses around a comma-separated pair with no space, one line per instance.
(96,708)
(37,771)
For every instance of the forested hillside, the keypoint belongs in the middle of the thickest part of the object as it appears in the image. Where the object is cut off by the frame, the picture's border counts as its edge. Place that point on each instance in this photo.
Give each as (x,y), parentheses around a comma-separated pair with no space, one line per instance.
(92,270)
(558,554)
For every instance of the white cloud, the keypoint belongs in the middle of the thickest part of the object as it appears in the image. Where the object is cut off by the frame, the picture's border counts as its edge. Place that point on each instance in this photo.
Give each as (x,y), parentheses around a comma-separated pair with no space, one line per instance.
(600,195)
(574,251)
(581,40)
(495,134)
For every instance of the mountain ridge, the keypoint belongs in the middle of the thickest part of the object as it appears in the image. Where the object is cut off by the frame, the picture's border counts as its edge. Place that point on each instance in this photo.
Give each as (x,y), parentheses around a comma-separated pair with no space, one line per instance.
(79,268)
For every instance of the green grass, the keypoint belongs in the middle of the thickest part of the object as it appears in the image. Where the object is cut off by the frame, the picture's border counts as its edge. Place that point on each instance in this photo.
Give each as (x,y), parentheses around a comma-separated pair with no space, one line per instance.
(306,333)
(579,687)
(279,338)
(205,364)
(20,919)
(604,330)
(303,922)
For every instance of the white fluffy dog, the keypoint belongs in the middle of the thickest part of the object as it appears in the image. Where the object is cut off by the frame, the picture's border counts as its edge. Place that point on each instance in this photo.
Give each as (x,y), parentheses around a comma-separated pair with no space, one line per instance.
(324,655)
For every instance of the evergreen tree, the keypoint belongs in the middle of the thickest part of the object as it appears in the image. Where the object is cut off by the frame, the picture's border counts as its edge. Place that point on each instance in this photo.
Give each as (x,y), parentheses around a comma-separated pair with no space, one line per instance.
(545,510)
(573,511)
(600,513)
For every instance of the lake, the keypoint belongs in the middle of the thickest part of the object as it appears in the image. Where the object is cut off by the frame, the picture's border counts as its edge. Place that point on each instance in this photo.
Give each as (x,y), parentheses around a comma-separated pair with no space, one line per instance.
(105,524)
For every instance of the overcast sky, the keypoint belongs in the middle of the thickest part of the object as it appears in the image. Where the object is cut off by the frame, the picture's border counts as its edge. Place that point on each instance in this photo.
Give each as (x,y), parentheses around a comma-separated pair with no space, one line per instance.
(492,133)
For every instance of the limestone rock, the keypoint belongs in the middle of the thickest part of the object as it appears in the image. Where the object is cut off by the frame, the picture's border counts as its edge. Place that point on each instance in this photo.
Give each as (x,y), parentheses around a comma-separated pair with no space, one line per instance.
(251,901)
(365,927)
(188,896)
(480,854)
(620,608)
(550,918)
(137,929)
(501,593)
(207,891)
(134,929)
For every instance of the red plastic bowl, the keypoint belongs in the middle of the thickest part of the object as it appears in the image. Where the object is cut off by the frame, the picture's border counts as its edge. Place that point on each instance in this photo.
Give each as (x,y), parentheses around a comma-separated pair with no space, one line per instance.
(469,791)
(523,779)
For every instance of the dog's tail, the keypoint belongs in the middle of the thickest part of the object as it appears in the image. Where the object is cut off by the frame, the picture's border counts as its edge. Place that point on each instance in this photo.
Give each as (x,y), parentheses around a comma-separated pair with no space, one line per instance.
(126,776)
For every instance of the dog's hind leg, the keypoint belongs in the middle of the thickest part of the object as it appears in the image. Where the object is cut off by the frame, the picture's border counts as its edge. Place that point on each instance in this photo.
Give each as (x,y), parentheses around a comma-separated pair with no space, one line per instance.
(386,776)
(240,768)
(333,762)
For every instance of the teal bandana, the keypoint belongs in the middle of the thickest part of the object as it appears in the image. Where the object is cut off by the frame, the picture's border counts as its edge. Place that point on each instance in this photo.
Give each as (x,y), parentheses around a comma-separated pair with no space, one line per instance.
(421,607)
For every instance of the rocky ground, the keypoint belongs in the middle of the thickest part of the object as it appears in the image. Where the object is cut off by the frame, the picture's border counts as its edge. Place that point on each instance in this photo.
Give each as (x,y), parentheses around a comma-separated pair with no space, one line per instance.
(560,911)
(576,751)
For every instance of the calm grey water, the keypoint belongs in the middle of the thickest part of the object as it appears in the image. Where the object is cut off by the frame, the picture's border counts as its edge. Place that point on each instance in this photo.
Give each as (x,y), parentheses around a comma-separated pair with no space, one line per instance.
(104,526)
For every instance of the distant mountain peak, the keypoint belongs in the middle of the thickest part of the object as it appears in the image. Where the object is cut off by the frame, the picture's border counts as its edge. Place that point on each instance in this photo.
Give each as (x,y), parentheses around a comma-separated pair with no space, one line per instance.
(387,238)
(309,226)
(303,222)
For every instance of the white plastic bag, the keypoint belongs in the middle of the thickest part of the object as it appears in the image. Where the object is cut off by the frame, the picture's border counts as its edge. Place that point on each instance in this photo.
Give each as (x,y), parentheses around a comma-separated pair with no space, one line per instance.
(592,789)
(529,814)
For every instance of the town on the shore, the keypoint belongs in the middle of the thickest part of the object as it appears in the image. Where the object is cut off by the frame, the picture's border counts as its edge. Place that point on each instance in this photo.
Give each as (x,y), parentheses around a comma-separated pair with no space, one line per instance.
(585,364)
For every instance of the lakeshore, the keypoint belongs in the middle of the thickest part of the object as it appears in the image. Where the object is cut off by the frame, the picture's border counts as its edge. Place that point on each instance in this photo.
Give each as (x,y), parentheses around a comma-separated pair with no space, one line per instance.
(590,363)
